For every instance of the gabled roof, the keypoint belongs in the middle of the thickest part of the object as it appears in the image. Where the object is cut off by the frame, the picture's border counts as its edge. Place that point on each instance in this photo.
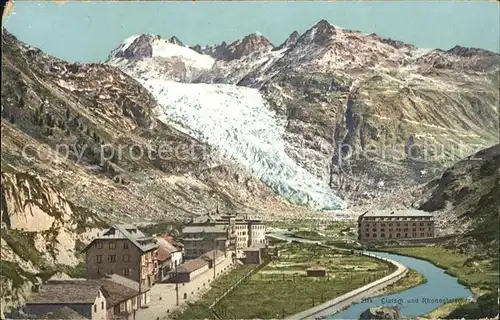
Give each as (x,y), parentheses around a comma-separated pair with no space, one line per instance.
(67,292)
(205,229)
(117,293)
(165,249)
(190,266)
(129,232)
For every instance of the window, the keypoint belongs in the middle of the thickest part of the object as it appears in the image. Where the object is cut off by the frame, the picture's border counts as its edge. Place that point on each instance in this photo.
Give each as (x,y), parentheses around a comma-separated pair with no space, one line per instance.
(382,235)
(374,235)
(98,259)
(406,235)
(112,245)
(422,234)
(112,258)
(125,245)
(414,229)
(95,308)
(126,258)
(102,305)
(398,235)
(367,235)
(126,272)
(98,245)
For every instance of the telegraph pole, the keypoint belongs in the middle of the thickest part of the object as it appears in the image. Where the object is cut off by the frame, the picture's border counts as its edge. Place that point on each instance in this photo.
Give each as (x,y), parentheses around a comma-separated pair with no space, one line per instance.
(176,285)
(215,251)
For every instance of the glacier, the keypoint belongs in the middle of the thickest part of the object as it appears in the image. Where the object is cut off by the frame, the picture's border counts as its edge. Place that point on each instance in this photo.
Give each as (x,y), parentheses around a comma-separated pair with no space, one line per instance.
(237,122)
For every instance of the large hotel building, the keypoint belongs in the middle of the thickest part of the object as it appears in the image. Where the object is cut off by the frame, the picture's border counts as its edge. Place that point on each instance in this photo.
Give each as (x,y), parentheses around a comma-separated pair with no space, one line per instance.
(384,225)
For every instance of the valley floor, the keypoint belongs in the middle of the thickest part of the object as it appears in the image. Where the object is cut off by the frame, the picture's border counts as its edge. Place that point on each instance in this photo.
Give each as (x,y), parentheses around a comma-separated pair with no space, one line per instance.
(281,288)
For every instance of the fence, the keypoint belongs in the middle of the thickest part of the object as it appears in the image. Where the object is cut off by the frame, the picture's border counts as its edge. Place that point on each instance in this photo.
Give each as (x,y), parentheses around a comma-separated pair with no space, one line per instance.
(246,276)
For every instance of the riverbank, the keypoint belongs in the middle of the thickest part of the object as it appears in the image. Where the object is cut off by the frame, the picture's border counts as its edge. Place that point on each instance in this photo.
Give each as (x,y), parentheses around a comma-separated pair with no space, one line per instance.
(480,275)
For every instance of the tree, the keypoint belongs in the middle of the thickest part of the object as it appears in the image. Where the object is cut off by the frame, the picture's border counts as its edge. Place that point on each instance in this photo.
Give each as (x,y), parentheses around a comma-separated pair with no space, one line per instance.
(68,113)
(11,118)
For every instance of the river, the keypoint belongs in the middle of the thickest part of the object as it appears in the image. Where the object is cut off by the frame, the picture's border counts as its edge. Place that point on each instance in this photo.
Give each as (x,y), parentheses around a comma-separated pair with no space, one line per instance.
(440,288)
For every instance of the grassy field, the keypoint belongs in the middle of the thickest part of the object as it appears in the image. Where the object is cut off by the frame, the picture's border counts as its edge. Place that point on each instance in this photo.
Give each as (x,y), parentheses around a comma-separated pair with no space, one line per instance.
(282,288)
(199,309)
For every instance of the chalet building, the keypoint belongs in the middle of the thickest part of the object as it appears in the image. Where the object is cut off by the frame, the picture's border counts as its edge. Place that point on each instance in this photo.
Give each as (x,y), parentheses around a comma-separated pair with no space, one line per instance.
(170,255)
(385,225)
(124,250)
(113,297)
(86,297)
(122,297)
(229,232)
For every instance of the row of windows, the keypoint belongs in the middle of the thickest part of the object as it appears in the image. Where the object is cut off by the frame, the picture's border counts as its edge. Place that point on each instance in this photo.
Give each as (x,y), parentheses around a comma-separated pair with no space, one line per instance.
(398,224)
(398,235)
(395,218)
(112,258)
(397,229)
(111,245)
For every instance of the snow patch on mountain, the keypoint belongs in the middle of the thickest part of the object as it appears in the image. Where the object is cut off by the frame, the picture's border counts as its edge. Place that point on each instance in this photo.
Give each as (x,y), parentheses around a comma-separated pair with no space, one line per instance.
(162,48)
(237,122)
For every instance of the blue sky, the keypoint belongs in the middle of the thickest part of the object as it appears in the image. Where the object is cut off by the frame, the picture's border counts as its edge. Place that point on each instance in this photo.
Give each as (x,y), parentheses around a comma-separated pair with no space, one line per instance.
(88,31)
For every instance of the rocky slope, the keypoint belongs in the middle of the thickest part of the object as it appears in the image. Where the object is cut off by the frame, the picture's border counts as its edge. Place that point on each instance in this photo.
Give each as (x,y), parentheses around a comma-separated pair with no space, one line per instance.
(93,131)
(466,200)
(354,104)
(42,233)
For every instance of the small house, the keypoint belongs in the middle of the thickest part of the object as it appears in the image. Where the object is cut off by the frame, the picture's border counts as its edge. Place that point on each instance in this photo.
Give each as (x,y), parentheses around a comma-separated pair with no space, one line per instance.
(188,270)
(254,254)
(316,272)
(86,297)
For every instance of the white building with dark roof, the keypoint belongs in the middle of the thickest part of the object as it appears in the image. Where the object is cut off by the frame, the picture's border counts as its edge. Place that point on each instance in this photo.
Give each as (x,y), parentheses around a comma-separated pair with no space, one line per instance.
(86,297)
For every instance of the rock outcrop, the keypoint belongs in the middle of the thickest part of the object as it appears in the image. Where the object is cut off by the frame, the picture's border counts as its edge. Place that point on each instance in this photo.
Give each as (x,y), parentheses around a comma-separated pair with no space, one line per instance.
(42,233)
(381,313)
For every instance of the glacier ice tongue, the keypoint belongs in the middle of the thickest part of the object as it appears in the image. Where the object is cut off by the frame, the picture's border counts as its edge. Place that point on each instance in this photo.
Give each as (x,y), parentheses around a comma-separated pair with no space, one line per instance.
(237,122)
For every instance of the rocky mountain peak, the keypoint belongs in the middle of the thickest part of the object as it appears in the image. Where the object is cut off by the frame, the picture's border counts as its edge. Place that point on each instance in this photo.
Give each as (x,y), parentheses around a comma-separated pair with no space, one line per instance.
(176,41)
(140,47)
(289,42)
(469,52)
(319,34)
(248,45)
